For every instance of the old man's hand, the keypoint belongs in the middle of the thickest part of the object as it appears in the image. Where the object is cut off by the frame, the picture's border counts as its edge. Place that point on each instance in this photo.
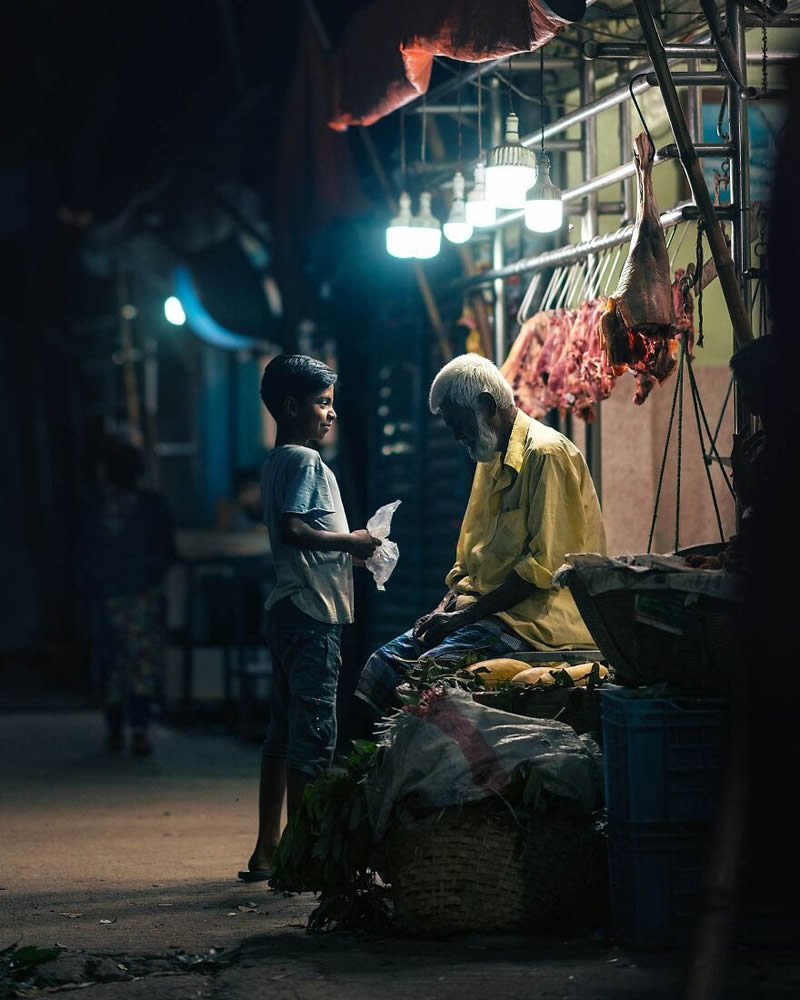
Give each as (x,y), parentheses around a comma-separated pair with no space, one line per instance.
(440,625)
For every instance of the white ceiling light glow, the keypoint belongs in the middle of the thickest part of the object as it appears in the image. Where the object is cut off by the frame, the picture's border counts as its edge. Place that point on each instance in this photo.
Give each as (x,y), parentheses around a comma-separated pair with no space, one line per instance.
(544,207)
(426,230)
(399,235)
(480,211)
(511,169)
(457,229)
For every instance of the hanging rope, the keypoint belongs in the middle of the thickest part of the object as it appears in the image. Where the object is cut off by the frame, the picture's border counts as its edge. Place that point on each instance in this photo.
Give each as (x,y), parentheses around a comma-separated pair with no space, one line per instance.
(713,452)
(681,363)
(706,462)
(722,411)
(698,280)
(663,467)
(640,76)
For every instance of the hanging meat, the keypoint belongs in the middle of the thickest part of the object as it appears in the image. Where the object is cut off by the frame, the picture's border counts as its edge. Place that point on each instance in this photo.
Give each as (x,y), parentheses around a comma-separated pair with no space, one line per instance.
(641,311)
(569,359)
(558,360)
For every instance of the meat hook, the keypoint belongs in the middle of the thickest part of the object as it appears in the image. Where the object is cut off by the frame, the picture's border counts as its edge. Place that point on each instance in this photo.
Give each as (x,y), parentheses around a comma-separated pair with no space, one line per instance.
(612,271)
(600,273)
(522,313)
(674,256)
(548,292)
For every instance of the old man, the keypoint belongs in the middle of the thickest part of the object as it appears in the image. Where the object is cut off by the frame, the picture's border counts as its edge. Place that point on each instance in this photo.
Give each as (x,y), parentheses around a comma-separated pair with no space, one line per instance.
(532,502)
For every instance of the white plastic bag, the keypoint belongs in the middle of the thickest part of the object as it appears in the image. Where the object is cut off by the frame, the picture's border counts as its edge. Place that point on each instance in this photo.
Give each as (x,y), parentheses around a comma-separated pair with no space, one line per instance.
(456,751)
(384,559)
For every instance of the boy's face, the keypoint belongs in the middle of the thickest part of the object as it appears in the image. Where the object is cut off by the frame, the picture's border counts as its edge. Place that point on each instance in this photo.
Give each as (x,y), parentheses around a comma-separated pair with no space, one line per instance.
(314,414)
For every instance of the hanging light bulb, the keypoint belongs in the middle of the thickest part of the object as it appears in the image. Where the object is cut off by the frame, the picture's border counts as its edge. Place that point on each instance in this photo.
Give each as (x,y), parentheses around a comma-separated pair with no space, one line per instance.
(480,211)
(511,169)
(544,209)
(426,230)
(457,228)
(399,234)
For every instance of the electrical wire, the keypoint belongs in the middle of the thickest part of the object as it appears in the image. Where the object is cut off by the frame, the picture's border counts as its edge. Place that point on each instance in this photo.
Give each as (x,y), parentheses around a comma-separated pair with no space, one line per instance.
(541,90)
(424,123)
(480,128)
(510,86)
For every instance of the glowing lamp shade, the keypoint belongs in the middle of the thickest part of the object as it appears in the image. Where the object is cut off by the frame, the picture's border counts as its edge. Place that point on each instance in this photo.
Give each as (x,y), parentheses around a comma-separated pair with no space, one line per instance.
(457,229)
(399,234)
(426,230)
(480,211)
(510,170)
(544,209)
(173,310)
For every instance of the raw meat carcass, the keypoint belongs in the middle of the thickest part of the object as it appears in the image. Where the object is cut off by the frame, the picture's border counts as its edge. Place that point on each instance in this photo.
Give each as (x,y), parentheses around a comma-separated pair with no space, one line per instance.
(518,366)
(557,362)
(642,303)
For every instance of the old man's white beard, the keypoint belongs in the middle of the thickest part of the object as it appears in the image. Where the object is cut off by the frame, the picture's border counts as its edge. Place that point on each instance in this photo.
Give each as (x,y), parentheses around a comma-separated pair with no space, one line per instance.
(487,444)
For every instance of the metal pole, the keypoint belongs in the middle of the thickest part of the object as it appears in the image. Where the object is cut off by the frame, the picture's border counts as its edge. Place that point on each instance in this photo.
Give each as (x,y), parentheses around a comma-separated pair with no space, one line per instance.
(579,251)
(664,155)
(625,152)
(498,249)
(740,182)
(740,316)
(594,453)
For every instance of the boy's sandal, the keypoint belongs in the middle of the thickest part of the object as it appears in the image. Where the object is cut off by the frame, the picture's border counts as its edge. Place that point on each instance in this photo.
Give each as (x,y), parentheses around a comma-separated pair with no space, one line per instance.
(257,875)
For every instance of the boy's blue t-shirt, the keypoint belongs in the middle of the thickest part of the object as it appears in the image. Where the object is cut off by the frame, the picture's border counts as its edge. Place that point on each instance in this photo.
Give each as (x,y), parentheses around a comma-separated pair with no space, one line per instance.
(295,480)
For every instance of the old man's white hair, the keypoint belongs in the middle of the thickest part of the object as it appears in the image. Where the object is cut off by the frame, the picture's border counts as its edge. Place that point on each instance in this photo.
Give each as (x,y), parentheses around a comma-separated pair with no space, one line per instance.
(464,378)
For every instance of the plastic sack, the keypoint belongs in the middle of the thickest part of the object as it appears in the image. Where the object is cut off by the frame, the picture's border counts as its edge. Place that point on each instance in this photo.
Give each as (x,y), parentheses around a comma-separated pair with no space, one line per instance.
(453,750)
(383,561)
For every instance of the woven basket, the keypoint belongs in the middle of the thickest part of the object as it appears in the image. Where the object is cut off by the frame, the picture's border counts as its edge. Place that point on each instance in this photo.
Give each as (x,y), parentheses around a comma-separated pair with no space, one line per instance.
(470,870)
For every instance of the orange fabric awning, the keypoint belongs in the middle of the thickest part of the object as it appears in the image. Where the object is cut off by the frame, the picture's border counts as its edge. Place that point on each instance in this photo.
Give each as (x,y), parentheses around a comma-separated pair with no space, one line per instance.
(386,56)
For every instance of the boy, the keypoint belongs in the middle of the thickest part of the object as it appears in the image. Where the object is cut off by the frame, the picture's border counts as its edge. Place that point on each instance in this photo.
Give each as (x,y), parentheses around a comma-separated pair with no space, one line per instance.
(312,549)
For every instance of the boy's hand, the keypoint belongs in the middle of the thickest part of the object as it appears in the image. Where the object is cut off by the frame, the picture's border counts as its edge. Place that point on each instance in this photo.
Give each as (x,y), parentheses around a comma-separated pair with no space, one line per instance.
(362,544)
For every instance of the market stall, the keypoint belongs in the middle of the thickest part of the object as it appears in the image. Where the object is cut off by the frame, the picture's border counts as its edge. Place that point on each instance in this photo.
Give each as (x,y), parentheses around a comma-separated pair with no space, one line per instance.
(614,308)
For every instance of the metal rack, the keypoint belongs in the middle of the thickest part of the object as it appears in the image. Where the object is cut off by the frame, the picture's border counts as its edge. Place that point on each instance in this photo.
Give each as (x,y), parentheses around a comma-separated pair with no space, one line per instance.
(720,48)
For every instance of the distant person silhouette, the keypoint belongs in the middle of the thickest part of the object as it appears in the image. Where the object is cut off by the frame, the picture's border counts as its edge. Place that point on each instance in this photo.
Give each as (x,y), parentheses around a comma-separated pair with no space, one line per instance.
(126,547)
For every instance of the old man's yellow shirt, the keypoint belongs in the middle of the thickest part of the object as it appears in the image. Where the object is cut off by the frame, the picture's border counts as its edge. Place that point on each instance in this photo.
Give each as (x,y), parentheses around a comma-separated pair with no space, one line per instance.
(526,511)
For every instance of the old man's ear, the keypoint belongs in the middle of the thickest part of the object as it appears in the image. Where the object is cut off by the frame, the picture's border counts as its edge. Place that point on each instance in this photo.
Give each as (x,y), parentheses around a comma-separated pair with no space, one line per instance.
(487,403)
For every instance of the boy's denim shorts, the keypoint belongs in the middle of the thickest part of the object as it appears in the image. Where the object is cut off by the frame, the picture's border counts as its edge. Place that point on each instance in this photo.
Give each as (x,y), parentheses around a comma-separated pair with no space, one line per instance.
(305,673)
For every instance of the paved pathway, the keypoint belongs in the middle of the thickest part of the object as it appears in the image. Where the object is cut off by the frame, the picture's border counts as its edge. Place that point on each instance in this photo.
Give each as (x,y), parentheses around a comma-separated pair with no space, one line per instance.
(152,846)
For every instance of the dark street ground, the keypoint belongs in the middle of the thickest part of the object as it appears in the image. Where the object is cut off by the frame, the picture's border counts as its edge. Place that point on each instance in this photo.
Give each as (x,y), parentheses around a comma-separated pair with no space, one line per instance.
(153,846)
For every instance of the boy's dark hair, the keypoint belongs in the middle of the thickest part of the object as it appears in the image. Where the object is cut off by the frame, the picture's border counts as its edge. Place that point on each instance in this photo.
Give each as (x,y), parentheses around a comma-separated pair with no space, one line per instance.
(293,375)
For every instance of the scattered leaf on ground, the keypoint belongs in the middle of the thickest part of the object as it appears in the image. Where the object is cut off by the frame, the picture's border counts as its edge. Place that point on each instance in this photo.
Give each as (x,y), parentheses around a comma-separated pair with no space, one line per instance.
(246,909)
(71,916)
(112,921)
(166,904)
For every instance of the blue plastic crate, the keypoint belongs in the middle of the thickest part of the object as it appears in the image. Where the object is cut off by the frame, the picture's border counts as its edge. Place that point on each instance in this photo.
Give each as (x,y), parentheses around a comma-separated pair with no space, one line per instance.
(662,759)
(656,876)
